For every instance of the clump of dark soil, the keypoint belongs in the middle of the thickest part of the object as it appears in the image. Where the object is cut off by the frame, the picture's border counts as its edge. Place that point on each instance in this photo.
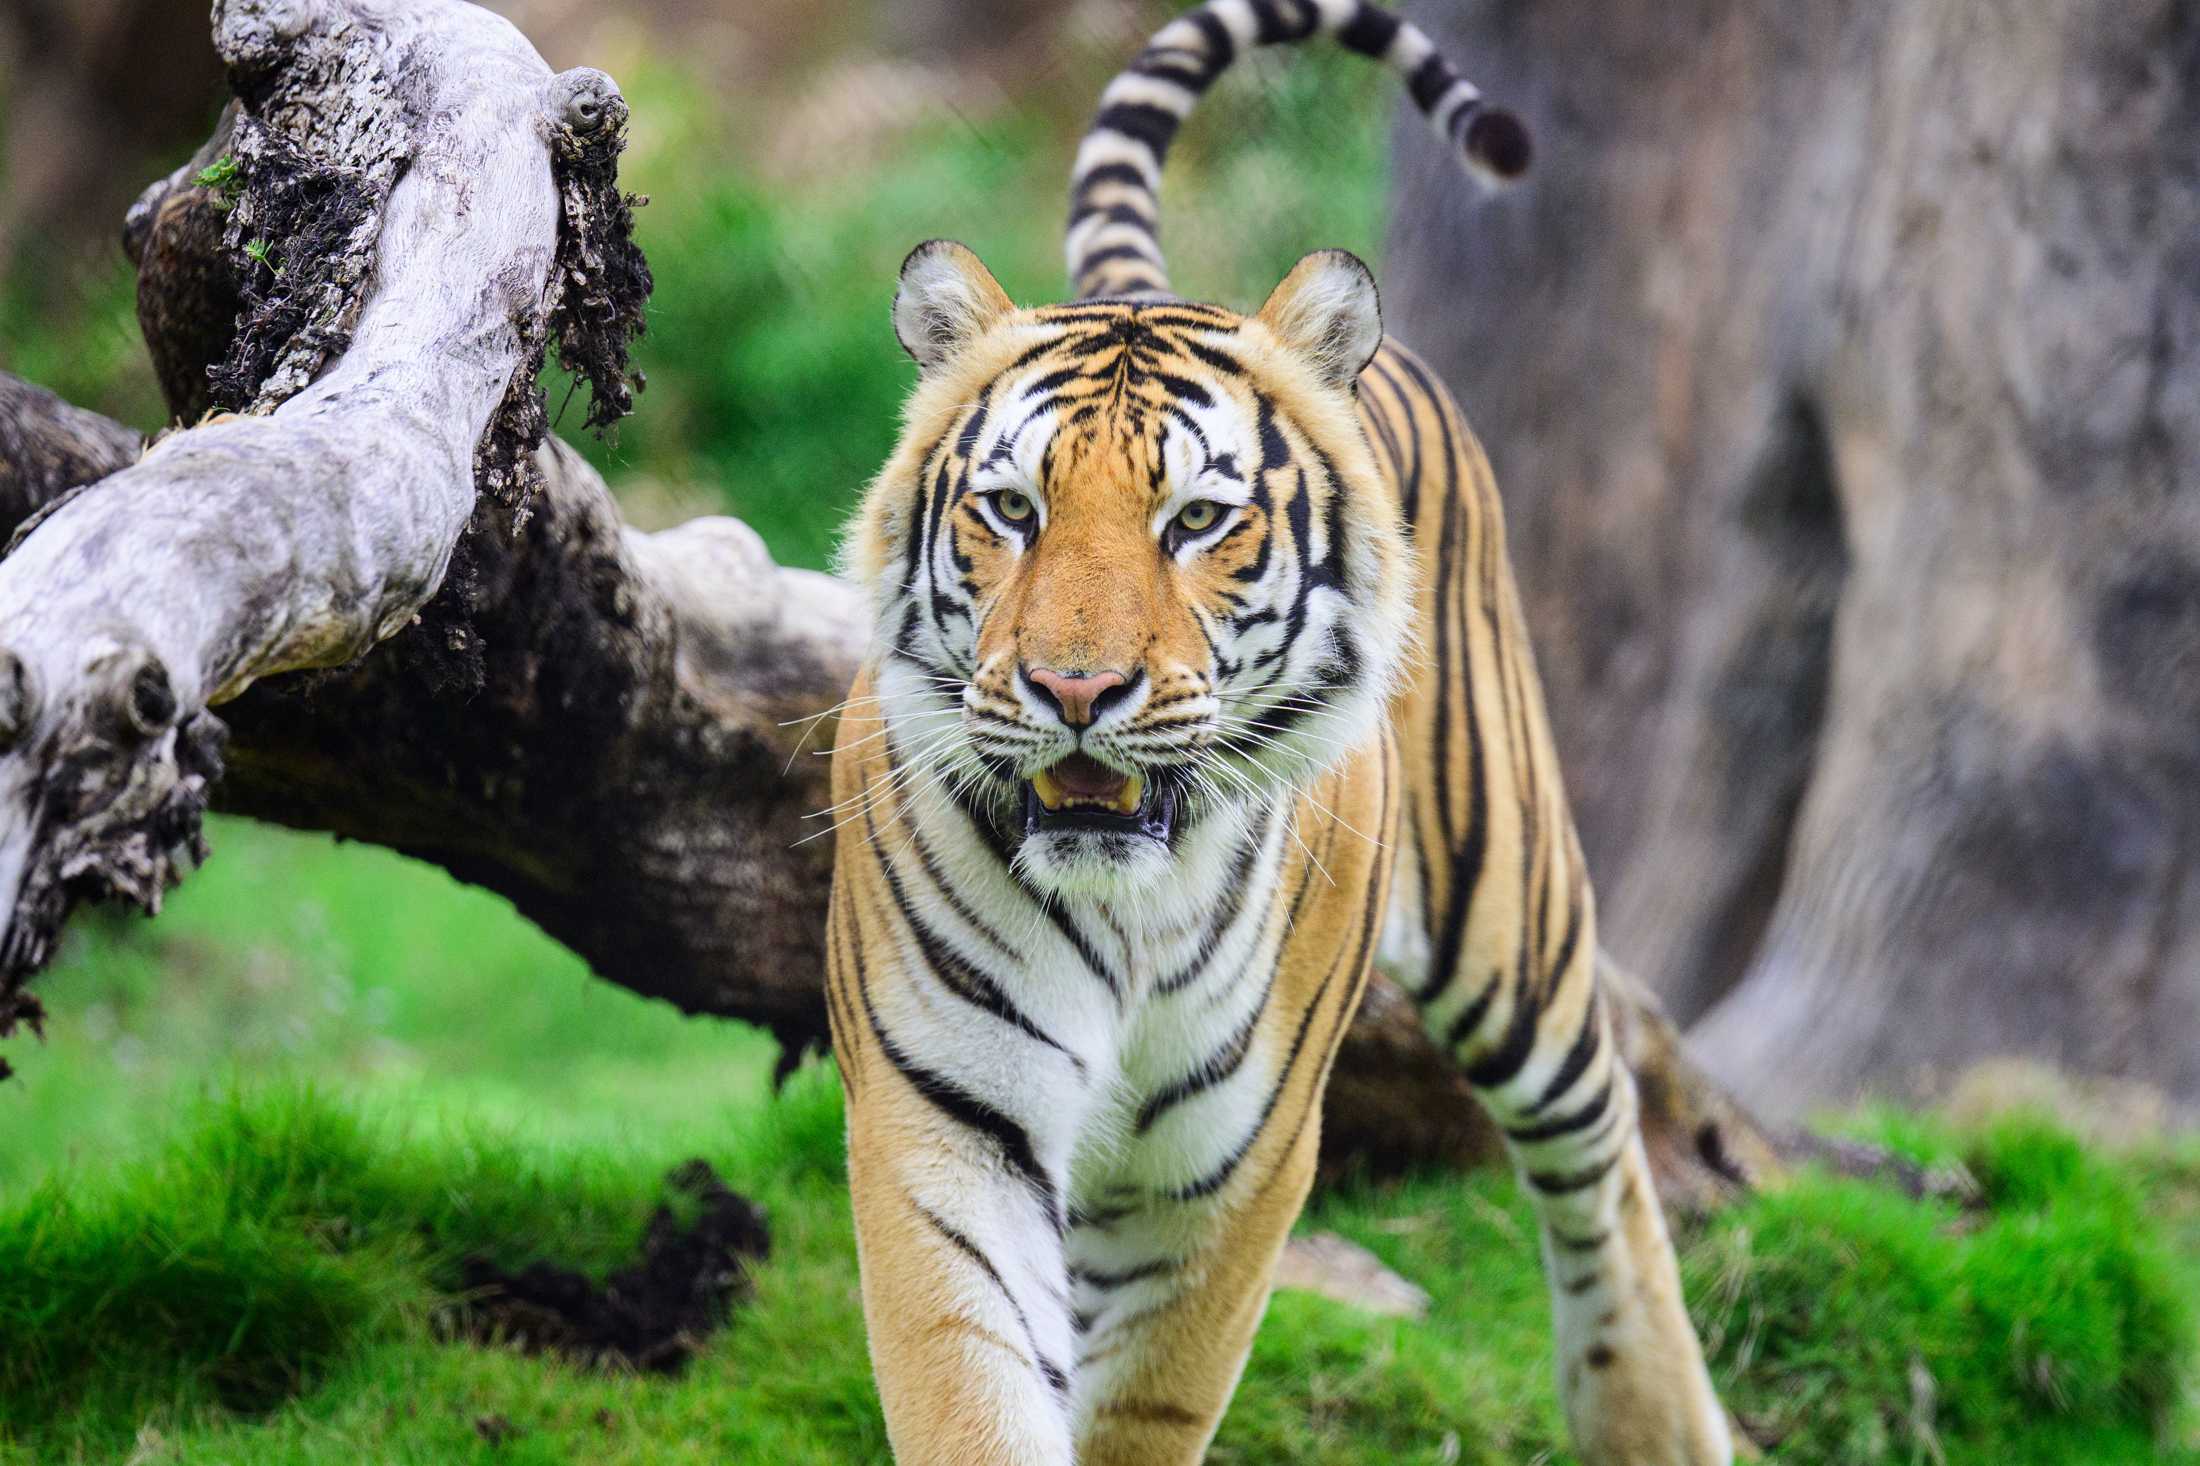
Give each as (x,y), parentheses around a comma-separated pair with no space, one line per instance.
(652,1314)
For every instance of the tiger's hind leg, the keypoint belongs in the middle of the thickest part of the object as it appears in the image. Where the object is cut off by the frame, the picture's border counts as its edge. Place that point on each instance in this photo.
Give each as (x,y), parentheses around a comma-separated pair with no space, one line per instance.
(1496,919)
(1630,1372)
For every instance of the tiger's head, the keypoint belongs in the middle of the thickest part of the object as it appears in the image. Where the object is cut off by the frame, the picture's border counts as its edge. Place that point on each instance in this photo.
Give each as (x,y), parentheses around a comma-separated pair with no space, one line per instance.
(1132,565)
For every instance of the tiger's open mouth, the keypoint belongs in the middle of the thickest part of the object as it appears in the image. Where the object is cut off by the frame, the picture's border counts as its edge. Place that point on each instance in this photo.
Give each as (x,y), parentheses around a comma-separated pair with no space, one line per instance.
(1082,793)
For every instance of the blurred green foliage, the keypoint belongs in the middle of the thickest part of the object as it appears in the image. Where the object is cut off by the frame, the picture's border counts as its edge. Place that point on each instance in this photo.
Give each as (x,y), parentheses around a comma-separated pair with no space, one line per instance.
(775,382)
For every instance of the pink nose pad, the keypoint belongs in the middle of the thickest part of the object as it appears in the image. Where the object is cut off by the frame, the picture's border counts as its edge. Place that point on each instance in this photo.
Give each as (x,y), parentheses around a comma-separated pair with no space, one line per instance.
(1075,696)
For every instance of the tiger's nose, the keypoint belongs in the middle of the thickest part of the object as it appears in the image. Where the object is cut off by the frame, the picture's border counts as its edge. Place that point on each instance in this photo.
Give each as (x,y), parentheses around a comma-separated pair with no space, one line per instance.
(1079,698)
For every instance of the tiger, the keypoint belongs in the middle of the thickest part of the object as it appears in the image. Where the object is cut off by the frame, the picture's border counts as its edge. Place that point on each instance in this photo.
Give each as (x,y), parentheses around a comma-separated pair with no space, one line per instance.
(1197,686)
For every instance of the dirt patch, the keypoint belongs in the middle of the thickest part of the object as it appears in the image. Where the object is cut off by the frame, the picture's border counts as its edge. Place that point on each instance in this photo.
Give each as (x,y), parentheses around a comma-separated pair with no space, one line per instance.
(653,1314)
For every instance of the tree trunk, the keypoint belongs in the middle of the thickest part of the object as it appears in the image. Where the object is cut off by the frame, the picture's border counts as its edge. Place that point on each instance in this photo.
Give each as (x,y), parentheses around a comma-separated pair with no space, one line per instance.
(1841,368)
(485,669)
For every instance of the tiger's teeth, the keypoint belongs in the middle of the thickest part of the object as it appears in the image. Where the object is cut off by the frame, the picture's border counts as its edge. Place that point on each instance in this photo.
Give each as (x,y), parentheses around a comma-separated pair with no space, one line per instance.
(1049,789)
(1134,789)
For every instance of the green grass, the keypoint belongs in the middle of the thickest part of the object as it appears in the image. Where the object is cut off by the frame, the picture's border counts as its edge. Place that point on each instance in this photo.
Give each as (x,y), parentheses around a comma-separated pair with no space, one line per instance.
(239,1172)
(262,1289)
(2052,1324)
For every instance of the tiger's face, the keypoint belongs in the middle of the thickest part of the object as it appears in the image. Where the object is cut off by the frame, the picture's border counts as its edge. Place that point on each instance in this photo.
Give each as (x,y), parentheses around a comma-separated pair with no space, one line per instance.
(1132,564)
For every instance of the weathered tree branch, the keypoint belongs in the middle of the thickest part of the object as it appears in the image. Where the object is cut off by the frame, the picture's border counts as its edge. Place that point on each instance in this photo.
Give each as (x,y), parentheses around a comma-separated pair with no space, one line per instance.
(408,135)
(607,727)
(613,729)
(48,447)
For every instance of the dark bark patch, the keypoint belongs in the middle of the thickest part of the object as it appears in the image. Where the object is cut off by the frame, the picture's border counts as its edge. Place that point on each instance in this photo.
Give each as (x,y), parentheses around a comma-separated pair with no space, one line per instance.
(48,450)
(119,815)
(653,1314)
(599,290)
(2146,635)
(300,242)
(603,281)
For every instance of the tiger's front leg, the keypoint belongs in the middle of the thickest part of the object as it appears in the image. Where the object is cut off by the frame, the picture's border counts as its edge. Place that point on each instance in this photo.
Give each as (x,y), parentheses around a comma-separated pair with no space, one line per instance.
(956,1166)
(1161,1342)
(969,1329)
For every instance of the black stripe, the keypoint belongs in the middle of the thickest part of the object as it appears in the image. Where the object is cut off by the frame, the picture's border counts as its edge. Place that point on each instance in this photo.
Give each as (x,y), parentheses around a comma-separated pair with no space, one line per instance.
(1430,80)
(1221,361)
(955,902)
(1185,314)
(1051,382)
(1580,1119)
(956,975)
(1370,925)
(1571,940)
(918,517)
(1407,466)
(1108,1282)
(1576,1063)
(1565,1183)
(1141,122)
(1470,1017)
(1370,921)
(1220,45)
(1224,918)
(966,442)
(966,1109)
(1213,1070)
(990,835)
(1099,1218)
(1188,69)
(1184,388)
(1369,32)
(1099,173)
(1467,858)
(836,993)
(1505,1062)
(1054,1374)
(1117,213)
(1116,252)
(1283,20)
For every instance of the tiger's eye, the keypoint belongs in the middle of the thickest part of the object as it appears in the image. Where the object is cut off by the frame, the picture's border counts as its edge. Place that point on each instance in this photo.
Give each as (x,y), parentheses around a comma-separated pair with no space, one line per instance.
(1198,515)
(1012,506)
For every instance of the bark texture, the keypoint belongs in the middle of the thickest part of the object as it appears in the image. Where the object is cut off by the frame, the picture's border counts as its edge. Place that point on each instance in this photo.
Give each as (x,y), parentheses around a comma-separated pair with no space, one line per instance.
(483,667)
(406,138)
(1841,367)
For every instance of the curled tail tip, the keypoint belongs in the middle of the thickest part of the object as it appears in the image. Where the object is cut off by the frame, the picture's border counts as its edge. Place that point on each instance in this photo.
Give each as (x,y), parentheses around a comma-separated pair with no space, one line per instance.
(1497,146)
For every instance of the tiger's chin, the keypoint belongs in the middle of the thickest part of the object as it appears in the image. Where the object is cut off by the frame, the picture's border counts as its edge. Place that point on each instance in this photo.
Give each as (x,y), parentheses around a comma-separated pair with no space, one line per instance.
(1093,863)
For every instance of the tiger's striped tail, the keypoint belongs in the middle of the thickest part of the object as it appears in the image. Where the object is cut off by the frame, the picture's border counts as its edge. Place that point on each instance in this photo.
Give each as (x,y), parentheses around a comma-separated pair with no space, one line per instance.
(1114,247)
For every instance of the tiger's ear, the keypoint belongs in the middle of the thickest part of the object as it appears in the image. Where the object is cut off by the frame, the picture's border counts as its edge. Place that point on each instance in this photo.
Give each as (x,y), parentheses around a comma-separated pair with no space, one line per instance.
(947,299)
(1326,310)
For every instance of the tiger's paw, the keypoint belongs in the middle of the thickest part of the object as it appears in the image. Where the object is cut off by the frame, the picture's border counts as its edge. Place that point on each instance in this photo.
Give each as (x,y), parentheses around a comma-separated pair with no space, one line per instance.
(1644,1407)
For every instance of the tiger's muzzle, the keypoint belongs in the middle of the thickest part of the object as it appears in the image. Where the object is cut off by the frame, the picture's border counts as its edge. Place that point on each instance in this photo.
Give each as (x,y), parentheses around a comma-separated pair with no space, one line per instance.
(1079,793)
